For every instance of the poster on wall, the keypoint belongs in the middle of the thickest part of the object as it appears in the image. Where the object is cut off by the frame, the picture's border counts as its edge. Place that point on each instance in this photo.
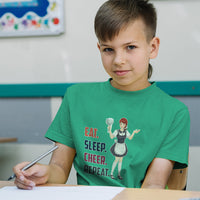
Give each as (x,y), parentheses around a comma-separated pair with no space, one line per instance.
(31,17)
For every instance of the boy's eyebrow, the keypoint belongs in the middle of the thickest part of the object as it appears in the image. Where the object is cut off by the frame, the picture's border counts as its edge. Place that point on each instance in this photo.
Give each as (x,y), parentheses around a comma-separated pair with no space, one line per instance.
(127,43)
(101,44)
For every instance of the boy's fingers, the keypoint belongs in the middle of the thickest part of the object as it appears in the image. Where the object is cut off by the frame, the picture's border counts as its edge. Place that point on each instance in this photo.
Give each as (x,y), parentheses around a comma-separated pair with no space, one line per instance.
(36,171)
(37,174)
(18,169)
(21,180)
(29,172)
(24,184)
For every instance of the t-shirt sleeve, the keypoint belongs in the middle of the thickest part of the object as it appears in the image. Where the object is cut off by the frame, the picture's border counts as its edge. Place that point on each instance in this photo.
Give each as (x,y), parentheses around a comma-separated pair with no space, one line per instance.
(176,144)
(60,128)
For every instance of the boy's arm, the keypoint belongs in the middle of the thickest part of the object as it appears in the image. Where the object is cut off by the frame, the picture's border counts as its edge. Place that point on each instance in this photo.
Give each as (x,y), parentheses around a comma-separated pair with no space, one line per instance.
(158,173)
(56,172)
(61,163)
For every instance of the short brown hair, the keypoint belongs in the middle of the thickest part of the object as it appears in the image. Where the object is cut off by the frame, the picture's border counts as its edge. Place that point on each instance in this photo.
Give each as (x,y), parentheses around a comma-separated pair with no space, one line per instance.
(114,15)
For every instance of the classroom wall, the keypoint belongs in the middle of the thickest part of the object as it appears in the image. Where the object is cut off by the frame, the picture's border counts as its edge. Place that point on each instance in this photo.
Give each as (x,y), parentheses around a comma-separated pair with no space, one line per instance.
(70,57)
(74,57)
(179,32)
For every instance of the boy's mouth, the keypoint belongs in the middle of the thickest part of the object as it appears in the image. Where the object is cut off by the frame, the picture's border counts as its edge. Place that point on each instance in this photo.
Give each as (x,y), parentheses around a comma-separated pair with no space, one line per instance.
(122,72)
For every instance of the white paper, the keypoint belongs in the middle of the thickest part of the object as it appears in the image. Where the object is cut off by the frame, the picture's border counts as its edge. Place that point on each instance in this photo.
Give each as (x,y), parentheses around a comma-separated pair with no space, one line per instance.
(190,199)
(61,193)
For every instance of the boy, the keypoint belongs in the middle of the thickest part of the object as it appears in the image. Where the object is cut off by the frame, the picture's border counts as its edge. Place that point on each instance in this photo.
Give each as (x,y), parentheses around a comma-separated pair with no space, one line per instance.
(126,40)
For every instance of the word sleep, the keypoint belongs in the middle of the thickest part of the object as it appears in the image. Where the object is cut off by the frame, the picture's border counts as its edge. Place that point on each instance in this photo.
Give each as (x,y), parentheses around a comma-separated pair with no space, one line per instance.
(94,146)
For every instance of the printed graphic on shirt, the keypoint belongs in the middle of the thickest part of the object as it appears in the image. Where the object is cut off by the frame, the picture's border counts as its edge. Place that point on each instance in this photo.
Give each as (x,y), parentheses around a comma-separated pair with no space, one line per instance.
(96,162)
(95,151)
(119,148)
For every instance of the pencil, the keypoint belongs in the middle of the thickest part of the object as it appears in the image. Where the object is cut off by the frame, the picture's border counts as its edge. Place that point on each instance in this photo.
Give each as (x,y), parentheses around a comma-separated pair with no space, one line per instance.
(34,161)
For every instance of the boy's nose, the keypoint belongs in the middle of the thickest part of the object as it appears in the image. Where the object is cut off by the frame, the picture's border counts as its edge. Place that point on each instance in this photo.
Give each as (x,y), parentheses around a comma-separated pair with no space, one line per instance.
(119,58)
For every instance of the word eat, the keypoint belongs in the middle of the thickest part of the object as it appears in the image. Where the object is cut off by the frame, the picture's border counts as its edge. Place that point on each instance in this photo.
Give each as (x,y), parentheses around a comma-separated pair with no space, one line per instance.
(91,132)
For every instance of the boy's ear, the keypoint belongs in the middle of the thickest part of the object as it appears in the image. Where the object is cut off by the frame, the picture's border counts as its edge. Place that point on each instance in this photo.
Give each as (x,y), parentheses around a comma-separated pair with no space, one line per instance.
(98,45)
(155,43)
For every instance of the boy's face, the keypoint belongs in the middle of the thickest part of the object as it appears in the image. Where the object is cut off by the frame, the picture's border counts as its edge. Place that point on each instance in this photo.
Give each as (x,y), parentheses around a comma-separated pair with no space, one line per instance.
(126,57)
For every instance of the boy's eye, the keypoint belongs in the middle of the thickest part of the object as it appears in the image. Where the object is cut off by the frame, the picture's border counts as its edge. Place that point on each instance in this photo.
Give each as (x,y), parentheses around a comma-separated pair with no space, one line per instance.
(107,50)
(130,47)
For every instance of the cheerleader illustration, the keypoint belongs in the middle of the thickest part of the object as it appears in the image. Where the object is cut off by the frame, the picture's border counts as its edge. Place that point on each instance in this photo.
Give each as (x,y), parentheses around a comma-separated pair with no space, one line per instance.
(119,148)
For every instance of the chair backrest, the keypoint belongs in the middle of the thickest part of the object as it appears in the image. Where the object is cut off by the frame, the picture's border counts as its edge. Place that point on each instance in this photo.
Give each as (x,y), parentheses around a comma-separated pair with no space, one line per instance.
(178,179)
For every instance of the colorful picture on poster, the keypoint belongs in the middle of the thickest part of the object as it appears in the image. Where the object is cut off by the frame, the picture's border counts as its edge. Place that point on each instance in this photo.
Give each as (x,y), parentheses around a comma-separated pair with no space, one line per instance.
(31,17)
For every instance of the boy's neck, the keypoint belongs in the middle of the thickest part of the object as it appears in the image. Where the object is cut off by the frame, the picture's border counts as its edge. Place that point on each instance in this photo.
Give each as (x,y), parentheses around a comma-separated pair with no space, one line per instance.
(131,87)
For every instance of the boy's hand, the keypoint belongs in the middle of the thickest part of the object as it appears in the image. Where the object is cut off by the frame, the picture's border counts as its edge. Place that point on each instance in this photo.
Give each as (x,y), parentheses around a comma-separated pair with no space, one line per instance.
(35,175)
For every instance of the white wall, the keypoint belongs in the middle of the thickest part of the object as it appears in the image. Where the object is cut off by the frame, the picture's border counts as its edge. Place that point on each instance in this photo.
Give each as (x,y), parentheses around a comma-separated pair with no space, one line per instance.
(73,56)
(179,31)
(193,169)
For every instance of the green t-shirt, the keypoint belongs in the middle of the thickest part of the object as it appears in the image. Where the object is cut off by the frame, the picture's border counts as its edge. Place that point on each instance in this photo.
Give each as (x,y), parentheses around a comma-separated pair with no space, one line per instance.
(89,108)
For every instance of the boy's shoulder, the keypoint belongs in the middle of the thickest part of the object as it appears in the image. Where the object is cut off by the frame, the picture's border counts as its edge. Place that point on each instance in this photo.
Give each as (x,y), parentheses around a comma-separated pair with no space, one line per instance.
(170,100)
(85,87)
